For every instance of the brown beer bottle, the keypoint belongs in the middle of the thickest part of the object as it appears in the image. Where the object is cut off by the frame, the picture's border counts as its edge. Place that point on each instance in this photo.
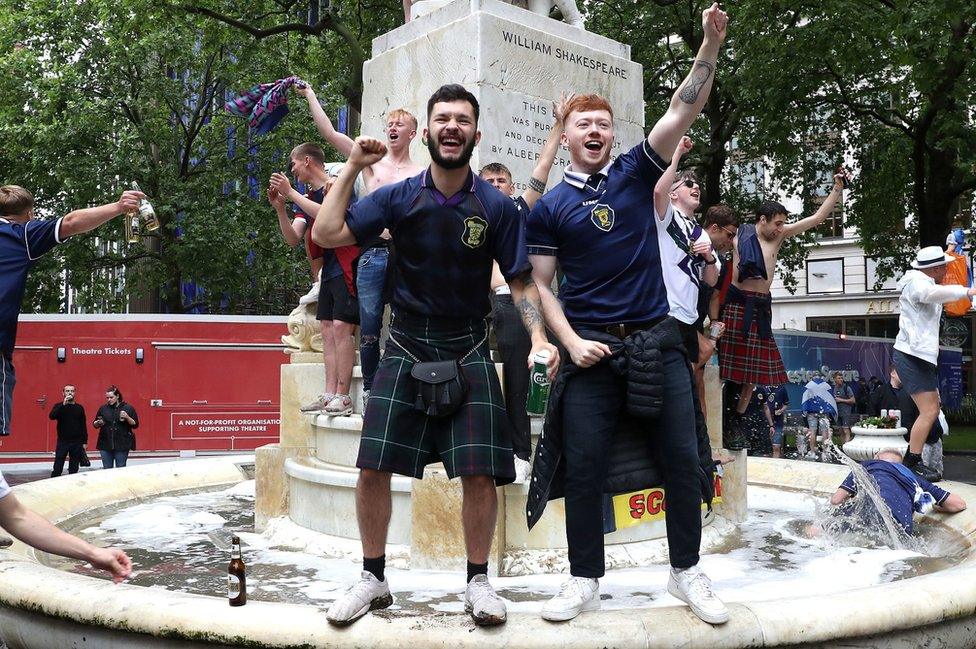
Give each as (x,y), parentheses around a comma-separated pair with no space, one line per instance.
(236,582)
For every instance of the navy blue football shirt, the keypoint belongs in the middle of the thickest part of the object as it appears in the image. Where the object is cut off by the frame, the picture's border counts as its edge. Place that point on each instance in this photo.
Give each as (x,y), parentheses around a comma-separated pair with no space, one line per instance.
(605,239)
(21,244)
(444,246)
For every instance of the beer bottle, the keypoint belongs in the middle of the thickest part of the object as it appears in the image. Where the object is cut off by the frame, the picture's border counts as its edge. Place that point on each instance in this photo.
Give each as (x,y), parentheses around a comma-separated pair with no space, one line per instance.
(146,211)
(132,227)
(236,582)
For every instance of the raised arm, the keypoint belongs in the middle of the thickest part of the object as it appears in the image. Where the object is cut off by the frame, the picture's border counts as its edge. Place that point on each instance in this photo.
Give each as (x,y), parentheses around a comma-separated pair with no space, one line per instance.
(821,214)
(281,183)
(90,218)
(689,98)
(340,141)
(540,175)
(662,190)
(330,229)
(292,230)
(940,294)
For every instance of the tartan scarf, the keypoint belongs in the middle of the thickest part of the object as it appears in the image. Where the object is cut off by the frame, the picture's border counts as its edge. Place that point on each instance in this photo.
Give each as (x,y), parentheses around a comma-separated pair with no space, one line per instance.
(264,105)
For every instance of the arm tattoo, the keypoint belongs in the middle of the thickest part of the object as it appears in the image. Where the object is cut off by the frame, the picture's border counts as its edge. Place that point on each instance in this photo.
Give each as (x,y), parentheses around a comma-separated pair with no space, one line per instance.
(531,315)
(537,185)
(530,311)
(699,76)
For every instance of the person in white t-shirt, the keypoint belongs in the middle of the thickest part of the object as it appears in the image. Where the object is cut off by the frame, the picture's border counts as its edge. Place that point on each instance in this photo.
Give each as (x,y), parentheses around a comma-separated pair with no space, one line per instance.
(687,258)
(36,531)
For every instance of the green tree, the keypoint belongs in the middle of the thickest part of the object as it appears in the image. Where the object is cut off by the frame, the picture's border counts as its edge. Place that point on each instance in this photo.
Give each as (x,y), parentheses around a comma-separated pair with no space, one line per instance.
(664,36)
(889,82)
(96,94)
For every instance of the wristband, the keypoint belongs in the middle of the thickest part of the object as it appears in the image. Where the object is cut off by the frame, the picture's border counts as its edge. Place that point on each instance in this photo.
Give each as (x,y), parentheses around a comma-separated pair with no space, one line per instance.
(712,262)
(537,185)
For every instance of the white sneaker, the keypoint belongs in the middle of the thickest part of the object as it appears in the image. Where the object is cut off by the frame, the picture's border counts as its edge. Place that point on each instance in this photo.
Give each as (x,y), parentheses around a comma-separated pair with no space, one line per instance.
(482,603)
(577,594)
(340,405)
(693,587)
(319,404)
(311,296)
(367,594)
(522,470)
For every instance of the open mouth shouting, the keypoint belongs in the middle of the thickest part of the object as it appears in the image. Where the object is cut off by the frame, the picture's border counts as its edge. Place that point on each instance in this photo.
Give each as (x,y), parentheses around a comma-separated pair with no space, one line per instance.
(392,136)
(451,144)
(593,145)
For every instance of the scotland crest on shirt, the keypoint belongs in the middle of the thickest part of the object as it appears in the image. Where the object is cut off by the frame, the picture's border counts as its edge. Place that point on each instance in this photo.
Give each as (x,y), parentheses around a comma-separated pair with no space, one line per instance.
(602,216)
(475,230)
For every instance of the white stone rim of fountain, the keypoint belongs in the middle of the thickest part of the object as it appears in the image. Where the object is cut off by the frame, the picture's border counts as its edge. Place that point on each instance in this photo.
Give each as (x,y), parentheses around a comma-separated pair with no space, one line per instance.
(36,599)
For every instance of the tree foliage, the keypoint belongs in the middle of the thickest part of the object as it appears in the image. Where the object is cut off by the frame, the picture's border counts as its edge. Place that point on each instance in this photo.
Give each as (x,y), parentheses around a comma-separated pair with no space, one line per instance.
(96,94)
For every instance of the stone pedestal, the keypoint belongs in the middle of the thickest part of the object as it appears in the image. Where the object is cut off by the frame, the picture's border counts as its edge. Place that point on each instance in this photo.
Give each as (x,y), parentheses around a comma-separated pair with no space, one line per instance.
(515,62)
(301,381)
(436,537)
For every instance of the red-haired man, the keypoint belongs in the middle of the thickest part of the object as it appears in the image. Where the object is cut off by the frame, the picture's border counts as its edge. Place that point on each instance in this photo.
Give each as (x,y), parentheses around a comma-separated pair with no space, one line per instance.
(598,223)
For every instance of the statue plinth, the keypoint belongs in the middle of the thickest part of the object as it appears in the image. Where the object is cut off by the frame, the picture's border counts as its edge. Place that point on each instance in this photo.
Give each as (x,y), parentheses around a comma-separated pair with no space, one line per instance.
(515,62)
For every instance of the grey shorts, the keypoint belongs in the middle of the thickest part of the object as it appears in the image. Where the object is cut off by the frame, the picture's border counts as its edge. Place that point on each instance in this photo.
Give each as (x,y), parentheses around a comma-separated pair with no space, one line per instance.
(916,374)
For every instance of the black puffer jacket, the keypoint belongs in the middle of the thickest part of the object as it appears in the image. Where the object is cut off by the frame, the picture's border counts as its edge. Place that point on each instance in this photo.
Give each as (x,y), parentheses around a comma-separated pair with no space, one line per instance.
(631,465)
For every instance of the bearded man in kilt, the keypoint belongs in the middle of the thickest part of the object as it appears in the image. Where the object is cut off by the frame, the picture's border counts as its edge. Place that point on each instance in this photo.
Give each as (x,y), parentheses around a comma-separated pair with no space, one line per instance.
(748,354)
(447,226)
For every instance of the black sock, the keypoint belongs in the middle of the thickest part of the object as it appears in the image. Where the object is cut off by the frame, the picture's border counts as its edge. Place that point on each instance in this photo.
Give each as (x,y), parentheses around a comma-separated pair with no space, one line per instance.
(375,566)
(911,459)
(477,569)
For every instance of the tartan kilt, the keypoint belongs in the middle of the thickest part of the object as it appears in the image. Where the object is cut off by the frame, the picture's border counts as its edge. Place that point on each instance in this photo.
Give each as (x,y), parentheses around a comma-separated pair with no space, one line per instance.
(475,440)
(745,357)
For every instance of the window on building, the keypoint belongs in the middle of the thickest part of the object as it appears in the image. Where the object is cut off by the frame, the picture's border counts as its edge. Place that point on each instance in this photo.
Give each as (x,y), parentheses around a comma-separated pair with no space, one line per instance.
(883,327)
(825,276)
(826,325)
(856,326)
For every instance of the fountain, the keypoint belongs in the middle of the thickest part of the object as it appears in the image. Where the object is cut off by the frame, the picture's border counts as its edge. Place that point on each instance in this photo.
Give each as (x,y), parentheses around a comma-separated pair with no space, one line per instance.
(782,589)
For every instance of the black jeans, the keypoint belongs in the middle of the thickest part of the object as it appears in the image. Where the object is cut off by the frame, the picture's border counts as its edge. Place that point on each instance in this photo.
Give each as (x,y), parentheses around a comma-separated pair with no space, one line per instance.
(70,450)
(514,346)
(592,405)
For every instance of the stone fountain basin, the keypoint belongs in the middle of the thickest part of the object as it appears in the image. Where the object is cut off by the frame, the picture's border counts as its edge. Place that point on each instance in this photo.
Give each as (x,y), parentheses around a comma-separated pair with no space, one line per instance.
(42,607)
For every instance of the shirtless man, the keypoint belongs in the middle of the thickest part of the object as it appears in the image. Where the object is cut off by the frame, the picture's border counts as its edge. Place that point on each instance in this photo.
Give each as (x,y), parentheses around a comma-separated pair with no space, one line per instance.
(396,165)
(747,352)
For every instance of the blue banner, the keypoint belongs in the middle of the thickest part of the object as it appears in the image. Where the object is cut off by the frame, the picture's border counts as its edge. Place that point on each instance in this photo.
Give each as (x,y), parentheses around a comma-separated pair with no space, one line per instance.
(855,356)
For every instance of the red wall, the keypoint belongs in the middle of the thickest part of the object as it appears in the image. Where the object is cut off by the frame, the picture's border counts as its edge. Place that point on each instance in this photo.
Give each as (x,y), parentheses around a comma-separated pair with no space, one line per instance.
(206,383)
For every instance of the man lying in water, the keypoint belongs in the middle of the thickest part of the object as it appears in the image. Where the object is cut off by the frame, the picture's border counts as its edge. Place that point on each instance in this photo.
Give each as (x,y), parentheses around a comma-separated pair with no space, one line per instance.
(902,490)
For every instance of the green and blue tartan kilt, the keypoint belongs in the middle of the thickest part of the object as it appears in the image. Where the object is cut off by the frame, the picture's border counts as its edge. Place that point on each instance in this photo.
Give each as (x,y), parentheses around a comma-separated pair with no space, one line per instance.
(475,440)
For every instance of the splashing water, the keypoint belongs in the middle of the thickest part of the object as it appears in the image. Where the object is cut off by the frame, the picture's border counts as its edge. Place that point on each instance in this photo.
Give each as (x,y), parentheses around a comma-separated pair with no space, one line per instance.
(865,518)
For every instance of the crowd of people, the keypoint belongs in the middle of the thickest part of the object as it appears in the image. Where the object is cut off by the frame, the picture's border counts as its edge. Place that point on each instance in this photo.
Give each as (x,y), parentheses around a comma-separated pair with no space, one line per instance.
(640,276)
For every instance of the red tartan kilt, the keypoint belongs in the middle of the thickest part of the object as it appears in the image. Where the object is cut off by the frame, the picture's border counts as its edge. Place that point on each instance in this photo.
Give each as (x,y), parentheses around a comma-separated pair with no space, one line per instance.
(745,357)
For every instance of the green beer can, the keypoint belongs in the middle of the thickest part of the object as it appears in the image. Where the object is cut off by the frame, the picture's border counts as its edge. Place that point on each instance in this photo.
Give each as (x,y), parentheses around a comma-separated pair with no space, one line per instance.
(538,385)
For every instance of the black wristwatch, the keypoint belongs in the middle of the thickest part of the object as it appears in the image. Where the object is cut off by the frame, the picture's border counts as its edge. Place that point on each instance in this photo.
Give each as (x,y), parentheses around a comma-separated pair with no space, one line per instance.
(712,262)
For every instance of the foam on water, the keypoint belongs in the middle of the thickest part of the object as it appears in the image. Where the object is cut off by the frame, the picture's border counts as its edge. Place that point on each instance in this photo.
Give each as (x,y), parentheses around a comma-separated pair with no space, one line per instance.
(178,542)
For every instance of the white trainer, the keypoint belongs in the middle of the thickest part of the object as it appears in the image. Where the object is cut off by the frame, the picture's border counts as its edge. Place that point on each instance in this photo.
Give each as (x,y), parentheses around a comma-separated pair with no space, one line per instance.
(482,603)
(694,588)
(340,405)
(367,594)
(522,470)
(577,594)
(319,404)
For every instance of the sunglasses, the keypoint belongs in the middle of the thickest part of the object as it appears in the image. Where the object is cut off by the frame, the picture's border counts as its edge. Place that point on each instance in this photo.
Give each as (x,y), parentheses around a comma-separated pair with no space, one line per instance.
(687,183)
